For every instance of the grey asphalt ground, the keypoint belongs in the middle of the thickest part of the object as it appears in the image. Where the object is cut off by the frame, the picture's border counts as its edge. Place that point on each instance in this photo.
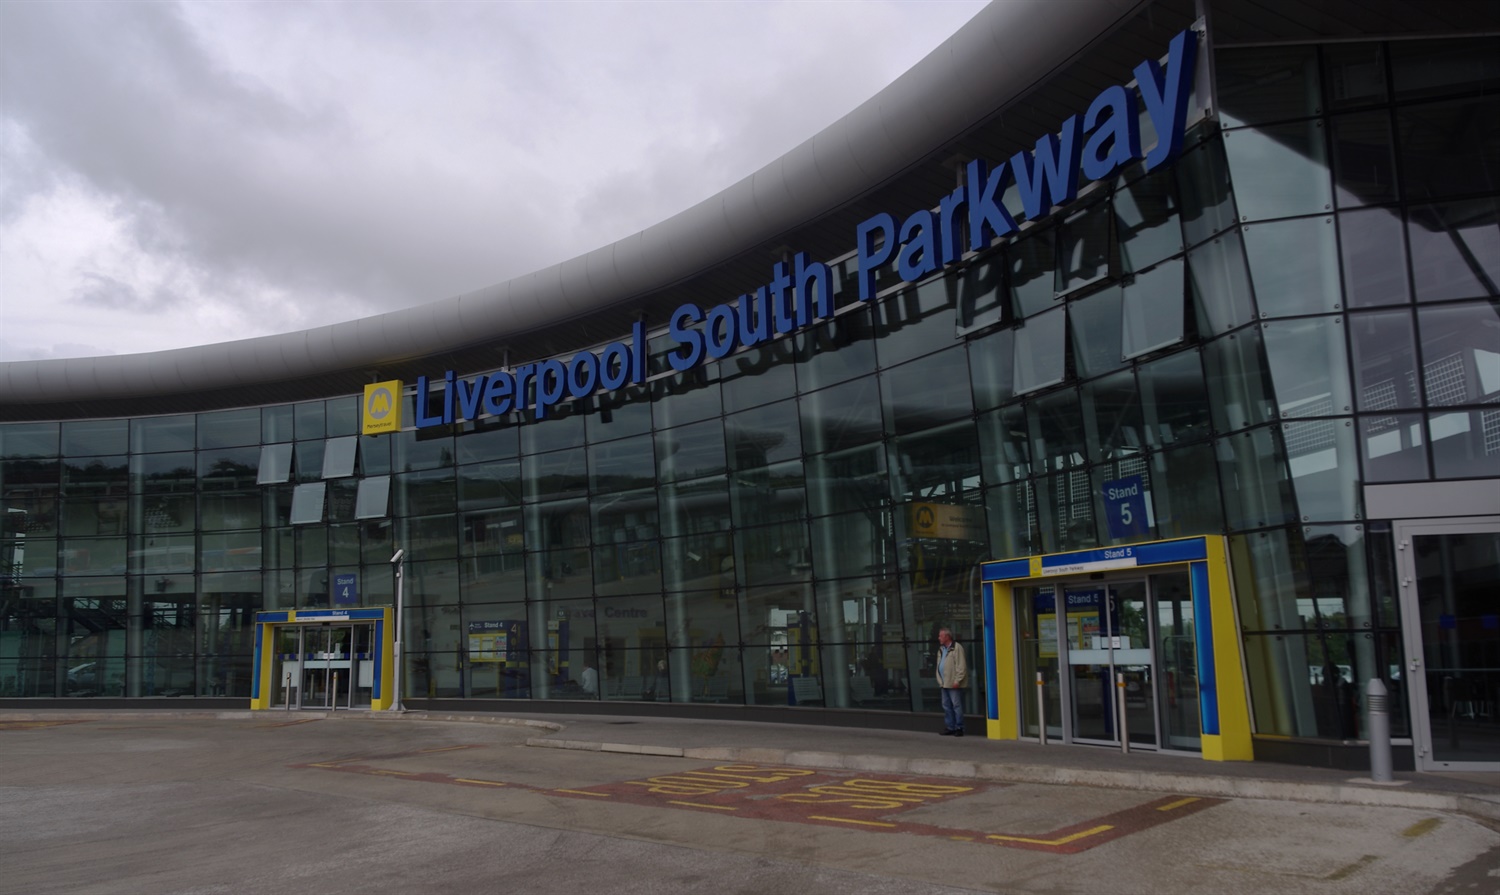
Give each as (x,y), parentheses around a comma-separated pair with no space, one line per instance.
(142,801)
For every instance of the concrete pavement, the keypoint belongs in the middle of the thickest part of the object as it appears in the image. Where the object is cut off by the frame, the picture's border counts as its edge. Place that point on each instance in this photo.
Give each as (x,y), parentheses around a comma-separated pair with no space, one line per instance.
(903,752)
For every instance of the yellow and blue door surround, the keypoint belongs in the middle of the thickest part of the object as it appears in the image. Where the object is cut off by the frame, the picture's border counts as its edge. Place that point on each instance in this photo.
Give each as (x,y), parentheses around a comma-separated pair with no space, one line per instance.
(1224,706)
(262,685)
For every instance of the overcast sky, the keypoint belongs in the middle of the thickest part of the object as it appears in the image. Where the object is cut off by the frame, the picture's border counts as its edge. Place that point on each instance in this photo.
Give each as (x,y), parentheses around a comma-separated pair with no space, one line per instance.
(175,174)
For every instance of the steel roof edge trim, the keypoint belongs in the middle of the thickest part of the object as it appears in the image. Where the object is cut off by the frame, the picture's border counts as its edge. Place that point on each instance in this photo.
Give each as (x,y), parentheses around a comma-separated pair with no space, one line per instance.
(997,57)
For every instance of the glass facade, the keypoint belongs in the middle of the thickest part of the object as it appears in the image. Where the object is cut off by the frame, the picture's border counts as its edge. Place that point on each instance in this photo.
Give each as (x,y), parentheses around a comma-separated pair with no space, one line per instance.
(1305,302)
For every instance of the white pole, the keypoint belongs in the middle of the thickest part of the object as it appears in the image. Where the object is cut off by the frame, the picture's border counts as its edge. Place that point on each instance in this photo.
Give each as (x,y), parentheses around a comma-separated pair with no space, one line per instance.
(399,561)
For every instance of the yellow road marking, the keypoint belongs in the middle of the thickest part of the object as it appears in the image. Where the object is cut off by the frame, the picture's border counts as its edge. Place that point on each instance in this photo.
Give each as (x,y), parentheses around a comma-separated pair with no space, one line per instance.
(385,772)
(850,820)
(584,792)
(479,782)
(1170,806)
(1063,841)
(444,749)
(1421,828)
(701,805)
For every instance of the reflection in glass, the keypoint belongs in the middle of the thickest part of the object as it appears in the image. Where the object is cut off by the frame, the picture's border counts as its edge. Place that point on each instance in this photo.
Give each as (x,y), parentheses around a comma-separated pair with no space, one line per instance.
(1364,159)
(1085,249)
(275,464)
(1186,492)
(840,417)
(1239,381)
(1207,200)
(1320,456)
(1465,444)
(338,456)
(1031,277)
(307,503)
(1279,170)
(1040,351)
(1461,353)
(1355,74)
(1262,84)
(1174,399)
(1152,310)
(1374,255)
(1449,149)
(920,395)
(766,435)
(1455,249)
(1112,417)
(1385,360)
(1221,284)
(1146,220)
(1295,266)
(1308,365)
(1096,332)
(1252,467)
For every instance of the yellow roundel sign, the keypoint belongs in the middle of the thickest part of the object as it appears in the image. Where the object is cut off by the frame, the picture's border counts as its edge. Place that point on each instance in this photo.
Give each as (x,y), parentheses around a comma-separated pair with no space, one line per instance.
(382,408)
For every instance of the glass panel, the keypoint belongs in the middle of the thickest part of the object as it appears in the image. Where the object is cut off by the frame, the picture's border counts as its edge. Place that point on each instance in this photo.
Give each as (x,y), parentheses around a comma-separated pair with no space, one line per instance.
(1461,353)
(26,440)
(562,428)
(1086,249)
(628,568)
(1450,149)
(375,454)
(1279,170)
(1207,200)
(764,373)
(1295,266)
(493,484)
(1354,74)
(620,414)
(555,475)
(696,506)
(772,554)
(307,503)
(1013,523)
(558,558)
(841,417)
(228,428)
(688,397)
(941,464)
(342,415)
(1364,159)
(1374,256)
(916,321)
(1253,472)
(1112,417)
(768,494)
(1465,443)
(424,493)
(88,438)
(1146,220)
(1393,448)
(162,433)
(763,436)
(474,445)
(1385,360)
(1185,492)
(836,351)
(276,423)
(310,421)
(228,510)
(1424,68)
(689,452)
(622,465)
(1031,272)
(373,500)
(1320,455)
(1152,310)
(982,298)
(275,464)
(338,456)
(853,479)
(1056,423)
(1221,285)
(1096,333)
(922,394)
(1455,249)
(1456,576)
(1309,366)
(1267,84)
(1065,512)
(1041,351)
(1239,383)
(1175,403)
(627,516)
(992,367)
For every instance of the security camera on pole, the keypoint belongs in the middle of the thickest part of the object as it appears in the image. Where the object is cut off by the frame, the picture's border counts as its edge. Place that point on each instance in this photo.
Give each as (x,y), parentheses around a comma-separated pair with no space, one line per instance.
(398,561)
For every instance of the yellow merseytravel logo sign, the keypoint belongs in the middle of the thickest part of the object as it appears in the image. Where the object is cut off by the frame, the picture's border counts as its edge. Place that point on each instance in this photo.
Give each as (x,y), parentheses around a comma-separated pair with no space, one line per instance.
(382,408)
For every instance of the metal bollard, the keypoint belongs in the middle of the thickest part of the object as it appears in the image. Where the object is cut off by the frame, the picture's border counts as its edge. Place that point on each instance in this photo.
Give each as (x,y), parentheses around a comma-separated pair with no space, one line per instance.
(1380,731)
(1041,708)
(1121,727)
(287,691)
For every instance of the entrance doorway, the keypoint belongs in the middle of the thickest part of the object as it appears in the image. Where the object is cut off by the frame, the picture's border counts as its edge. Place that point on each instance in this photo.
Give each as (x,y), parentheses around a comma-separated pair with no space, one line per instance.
(328,659)
(1088,636)
(1450,605)
(324,666)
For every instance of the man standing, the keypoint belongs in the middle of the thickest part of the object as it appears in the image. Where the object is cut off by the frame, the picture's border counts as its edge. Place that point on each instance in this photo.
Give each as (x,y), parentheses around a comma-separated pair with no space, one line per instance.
(952,677)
